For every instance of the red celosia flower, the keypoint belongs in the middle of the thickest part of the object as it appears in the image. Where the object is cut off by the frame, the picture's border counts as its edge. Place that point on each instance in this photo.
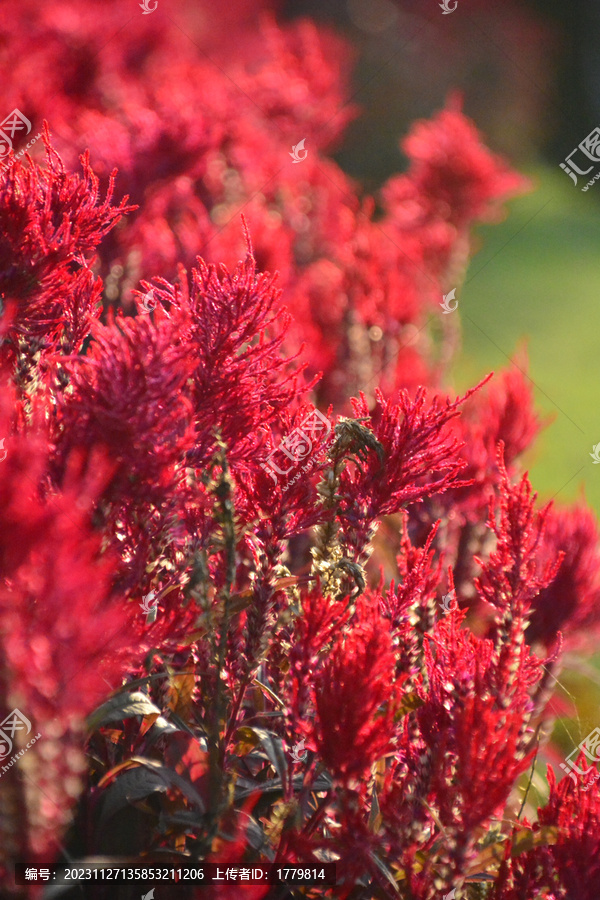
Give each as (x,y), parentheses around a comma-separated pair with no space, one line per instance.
(414,457)
(321,618)
(571,602)
(228,325)
(136,462)
(62,633)
(418,574)
(126,396)
(506,413)
(466,703)
(516,571)
(50,223)
(458,760)
(501,413)
(565,860)
(357,696)
(452,173)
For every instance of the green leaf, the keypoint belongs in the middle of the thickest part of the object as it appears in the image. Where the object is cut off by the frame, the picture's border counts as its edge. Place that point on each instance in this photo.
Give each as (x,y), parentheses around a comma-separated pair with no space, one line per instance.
(133,785)
(160,775)
(273,747)
(375,814)
(525,839)
(408,703)
(385,871)
(122,706)
(245,787)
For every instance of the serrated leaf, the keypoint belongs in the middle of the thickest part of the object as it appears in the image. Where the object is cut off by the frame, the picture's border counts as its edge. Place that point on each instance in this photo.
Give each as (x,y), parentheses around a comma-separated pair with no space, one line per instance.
(122,706)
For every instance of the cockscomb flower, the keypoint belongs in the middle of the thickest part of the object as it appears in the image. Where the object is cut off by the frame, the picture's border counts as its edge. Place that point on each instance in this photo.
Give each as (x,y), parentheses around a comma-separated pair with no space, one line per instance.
(473,723)
(22,474)
(571,602)
(453,175)
(418,577)
(280,484)
(240,381)
(419,453)
(51,222)
(126,395)
(559,854)
(320,619)
(297,75)
(165,457)
(357,696)
(501,412)
(516,570)
(64,637)
(405,453)
(459,753)
(506,413)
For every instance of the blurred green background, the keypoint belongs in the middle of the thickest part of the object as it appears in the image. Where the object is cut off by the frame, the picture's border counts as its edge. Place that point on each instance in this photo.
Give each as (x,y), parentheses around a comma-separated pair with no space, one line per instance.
(529,74)
(536,280)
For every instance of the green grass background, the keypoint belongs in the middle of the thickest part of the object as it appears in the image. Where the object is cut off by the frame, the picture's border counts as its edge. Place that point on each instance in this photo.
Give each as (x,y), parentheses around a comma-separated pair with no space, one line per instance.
(536,279)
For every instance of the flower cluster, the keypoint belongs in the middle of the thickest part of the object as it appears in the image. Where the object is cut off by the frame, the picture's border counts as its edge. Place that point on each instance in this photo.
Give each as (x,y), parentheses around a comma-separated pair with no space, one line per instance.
(228,516)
